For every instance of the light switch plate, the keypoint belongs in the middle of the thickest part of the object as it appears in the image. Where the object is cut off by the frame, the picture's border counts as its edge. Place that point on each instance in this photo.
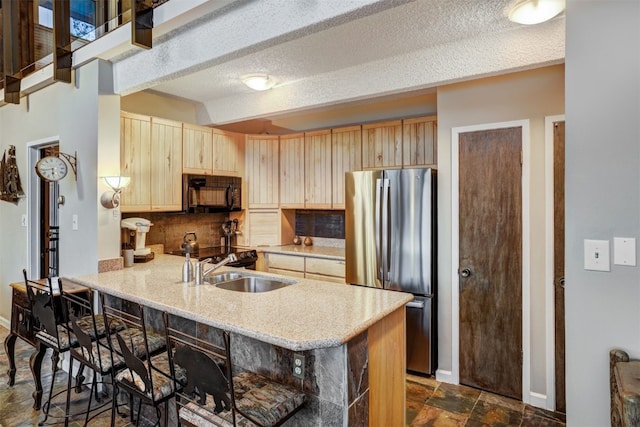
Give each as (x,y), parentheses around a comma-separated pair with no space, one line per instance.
(624,251)
(596,255)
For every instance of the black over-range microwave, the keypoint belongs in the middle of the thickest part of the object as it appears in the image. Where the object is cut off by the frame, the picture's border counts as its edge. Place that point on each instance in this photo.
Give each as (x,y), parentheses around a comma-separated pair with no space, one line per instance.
(201,193)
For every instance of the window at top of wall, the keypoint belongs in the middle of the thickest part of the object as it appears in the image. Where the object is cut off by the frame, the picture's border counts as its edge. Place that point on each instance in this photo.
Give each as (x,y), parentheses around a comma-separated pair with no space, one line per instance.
(83,17)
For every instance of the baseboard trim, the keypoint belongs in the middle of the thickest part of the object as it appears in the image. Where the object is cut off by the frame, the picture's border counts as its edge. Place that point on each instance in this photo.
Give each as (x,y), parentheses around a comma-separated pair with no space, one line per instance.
(538,400)
(5,323)
(445,376)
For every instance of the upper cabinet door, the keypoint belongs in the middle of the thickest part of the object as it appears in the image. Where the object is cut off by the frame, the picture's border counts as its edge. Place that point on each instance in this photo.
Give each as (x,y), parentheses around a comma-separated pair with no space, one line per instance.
(135,162)
(420,141)
(262,169)
(197,149)
(346,150)
(228,153)
(382,145)
(166,165)
(292,171)
(317,169)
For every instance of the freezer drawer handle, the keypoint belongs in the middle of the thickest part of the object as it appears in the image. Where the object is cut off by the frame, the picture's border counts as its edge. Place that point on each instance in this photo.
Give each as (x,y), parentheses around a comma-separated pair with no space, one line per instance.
(415,304)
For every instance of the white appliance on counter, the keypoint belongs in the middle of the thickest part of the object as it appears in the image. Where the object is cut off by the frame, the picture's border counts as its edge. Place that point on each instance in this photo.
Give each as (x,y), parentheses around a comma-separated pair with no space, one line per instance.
(139,227)
(390,243)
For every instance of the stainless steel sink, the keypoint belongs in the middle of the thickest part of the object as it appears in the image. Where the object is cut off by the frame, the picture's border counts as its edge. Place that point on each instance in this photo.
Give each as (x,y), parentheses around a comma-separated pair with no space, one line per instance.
(252,284)
(222,277)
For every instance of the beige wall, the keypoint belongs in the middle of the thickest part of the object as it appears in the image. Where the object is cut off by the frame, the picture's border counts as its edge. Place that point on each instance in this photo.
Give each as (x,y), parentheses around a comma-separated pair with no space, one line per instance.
(525,95)
(150,104)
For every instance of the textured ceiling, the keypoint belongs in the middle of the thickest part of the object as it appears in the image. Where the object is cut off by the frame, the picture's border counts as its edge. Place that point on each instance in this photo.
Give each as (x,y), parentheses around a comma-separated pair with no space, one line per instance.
(330,52)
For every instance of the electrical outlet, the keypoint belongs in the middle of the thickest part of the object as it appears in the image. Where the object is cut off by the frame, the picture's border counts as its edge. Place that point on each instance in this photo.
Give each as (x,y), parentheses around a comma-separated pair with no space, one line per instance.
(298,366)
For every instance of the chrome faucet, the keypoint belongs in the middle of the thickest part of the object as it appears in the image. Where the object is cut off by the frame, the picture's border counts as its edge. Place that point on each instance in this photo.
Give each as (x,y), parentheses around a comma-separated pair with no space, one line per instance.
(201,273)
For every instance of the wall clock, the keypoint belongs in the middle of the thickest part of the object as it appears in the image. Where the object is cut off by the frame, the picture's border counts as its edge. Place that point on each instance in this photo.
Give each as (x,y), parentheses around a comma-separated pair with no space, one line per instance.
(51,168)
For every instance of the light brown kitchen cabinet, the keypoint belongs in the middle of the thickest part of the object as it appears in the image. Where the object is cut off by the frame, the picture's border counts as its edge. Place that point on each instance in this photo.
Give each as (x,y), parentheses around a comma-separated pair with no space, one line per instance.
(329,270)
(292,171)
(420,141)
(166,165)
(151,154)
(317,170)
(135,161)
(228,153)
(309,267)
(197,149)
(262,168)
(346,151)
(382,145)
(286,265)
(266,227)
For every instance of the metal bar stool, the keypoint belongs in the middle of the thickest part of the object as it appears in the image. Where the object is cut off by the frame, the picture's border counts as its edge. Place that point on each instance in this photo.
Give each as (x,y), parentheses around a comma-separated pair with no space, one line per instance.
(202,368)
(146,375)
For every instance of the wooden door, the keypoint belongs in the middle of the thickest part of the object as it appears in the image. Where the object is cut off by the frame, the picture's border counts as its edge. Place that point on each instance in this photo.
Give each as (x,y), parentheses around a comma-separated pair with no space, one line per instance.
(317,169)
(197,149)
(166,165)
(262,168)
(490,264)
(382,145)
(228,153)
(135,162)
(292,171)
(420,141)
(346,151)
(558,250)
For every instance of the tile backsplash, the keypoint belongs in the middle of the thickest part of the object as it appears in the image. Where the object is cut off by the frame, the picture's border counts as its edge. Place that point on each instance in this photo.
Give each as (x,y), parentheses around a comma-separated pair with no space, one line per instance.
(169,228)
(318,223)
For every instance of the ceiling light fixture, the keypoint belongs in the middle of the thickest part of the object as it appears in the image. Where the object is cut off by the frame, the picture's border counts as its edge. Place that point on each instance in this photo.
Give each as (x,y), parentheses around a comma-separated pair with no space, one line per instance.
(531,12)
(258,81)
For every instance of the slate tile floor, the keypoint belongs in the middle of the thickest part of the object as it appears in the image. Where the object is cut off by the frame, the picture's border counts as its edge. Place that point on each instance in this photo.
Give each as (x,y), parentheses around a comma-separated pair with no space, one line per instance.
(432,403)
(16,403)
(429,402)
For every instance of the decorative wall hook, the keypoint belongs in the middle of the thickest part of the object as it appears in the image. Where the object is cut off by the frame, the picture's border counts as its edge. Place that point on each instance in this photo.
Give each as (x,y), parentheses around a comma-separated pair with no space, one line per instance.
(72,160)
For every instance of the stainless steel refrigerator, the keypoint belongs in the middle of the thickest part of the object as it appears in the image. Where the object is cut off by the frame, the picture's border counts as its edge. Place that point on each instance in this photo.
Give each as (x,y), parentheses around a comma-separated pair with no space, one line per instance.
(391,244)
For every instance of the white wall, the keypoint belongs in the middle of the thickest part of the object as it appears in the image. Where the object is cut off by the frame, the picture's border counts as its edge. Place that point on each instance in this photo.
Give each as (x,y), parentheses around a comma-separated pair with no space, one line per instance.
(69,113)
(602,195)
(526,95)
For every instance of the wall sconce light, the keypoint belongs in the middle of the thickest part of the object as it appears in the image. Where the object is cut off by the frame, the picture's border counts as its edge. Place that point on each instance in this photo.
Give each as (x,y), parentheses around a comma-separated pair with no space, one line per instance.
(258,81)
(111,199)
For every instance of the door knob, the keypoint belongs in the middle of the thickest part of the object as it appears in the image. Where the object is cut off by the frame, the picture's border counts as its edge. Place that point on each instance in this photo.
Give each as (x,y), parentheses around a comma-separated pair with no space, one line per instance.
(561,282)
(465,272)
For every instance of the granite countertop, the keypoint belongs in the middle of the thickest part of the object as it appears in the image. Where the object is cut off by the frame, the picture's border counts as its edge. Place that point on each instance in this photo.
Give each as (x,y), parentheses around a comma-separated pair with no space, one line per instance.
(306,315)
(328,252)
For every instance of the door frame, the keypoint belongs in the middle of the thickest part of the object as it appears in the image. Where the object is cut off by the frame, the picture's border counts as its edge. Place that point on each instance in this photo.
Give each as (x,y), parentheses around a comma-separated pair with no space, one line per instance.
(550,317)
(33,197)
(455,249)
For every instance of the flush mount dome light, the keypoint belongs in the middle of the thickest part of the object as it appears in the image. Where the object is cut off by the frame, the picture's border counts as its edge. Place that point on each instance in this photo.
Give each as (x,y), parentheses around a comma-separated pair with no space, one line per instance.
(531,12)
(258,81)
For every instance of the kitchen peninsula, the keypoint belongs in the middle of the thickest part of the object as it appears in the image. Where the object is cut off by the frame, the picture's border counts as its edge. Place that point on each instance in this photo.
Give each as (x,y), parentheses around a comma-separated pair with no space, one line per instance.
(352,338)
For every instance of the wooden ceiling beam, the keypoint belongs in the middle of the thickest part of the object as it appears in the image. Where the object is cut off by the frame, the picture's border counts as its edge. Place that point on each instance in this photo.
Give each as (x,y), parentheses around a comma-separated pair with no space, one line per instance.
(142,23)
(63,55)
(18,45)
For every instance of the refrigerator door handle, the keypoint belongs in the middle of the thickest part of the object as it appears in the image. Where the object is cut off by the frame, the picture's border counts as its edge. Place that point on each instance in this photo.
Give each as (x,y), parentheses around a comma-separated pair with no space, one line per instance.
(379,266)
(385,229)
(415,304)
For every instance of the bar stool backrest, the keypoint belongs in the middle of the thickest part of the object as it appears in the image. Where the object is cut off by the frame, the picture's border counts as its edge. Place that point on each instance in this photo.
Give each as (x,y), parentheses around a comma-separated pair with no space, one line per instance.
(208,370)
(92,350)
(43,309)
